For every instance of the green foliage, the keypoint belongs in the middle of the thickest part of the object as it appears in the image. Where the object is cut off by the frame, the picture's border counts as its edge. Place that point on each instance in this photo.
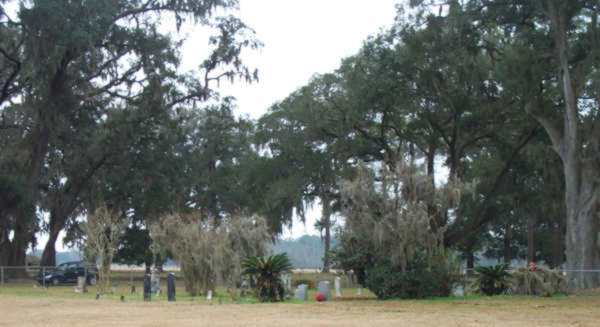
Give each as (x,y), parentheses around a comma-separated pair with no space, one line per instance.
(266,272)
(91,96)
(423,277)
(494,280)
(134,248)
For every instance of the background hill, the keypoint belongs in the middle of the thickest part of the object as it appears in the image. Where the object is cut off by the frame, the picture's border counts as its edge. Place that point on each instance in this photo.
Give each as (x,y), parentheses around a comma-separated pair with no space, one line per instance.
(304,252)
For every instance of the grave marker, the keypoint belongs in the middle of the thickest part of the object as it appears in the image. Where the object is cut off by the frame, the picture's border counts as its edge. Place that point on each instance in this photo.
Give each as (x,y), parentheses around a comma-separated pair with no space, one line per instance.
(147,288)
(171,287)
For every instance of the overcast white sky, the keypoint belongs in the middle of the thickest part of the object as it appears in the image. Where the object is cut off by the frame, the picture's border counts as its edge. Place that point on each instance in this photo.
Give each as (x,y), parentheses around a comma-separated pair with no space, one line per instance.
(301,38)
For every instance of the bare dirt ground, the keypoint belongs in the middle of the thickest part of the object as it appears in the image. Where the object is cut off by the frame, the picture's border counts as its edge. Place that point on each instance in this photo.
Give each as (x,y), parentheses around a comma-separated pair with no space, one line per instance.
(571,311)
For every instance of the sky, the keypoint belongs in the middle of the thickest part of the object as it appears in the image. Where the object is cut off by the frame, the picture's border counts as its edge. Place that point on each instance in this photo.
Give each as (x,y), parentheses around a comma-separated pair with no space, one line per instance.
(301,38)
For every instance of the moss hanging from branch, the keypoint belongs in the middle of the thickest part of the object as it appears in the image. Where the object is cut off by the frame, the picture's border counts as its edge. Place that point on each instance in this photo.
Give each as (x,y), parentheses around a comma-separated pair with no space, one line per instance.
(210,251)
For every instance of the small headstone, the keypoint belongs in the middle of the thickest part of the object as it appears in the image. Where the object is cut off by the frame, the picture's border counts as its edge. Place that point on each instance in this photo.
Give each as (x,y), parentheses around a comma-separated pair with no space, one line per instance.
(458,290)
(324,287)
(338,286)
(359,291)
(244,287)
(350,275)
(147,288)
(81,285)
(171,287)
(155,282)
(209,296)
(287,284)
(301,292)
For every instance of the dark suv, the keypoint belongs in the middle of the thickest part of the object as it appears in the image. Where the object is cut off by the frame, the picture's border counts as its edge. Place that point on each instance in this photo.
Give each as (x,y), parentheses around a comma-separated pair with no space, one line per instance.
(68,272)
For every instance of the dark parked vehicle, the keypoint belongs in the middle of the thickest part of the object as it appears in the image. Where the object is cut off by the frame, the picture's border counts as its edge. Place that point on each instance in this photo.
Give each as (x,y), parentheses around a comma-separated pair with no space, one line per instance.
(68,272)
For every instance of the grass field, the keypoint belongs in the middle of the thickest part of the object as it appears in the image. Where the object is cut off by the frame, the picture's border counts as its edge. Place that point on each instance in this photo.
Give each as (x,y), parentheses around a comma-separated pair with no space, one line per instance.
(22,305)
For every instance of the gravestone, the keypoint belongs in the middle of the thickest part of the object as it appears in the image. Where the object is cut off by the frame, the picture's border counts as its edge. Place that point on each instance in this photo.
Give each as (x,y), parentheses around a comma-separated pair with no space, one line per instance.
(81,285)
(338,286)
(147,288)
(359,291)
(171,287)
(155,282)
(324,287)
(244,287)
(287,283)
(301,292)
(350,275)
(458,290)
(209,296)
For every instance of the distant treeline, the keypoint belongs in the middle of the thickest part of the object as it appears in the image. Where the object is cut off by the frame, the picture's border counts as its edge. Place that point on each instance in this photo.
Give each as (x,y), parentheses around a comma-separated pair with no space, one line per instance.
(305,252)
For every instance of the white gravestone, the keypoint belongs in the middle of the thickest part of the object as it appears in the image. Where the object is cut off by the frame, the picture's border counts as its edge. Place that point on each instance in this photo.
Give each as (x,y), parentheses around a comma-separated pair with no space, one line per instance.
(155,282)
(338,286)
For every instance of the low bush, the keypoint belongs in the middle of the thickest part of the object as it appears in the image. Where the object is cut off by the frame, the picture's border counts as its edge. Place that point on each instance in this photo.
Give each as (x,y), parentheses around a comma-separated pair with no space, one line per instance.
(540,282)
(423,277)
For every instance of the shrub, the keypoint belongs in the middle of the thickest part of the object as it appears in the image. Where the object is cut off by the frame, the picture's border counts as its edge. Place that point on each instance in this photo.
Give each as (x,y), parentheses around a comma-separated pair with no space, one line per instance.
(267,273)
(423,277)
(493,280)
(103,230)
(540,282)
(391,238)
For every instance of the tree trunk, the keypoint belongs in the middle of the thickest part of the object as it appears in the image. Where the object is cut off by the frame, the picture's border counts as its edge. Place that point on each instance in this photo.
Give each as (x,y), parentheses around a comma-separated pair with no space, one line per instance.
(531,239)
(581,192)
(470,262)
(49,254)
(558,247)
(57,222)
(326,221)
(582,236)
(507,246)
(4,242)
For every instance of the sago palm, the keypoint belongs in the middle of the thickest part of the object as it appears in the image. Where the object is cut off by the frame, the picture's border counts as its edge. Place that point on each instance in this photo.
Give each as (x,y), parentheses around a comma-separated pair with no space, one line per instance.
(492,280)
(267,273)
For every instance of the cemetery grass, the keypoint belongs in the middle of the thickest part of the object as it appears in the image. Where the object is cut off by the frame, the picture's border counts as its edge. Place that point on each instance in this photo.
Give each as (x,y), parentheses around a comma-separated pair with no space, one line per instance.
(61,307)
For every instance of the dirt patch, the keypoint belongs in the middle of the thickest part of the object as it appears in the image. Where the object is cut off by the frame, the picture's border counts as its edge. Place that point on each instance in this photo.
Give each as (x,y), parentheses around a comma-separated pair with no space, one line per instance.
(574,311)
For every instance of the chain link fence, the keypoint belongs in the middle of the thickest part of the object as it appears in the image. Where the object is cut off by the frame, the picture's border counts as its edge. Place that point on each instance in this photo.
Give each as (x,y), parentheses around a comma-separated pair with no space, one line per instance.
(128,280)
(44,276)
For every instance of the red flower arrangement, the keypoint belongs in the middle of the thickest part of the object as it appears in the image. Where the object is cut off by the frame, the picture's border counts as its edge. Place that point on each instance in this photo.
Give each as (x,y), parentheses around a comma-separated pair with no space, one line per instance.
(320,297)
